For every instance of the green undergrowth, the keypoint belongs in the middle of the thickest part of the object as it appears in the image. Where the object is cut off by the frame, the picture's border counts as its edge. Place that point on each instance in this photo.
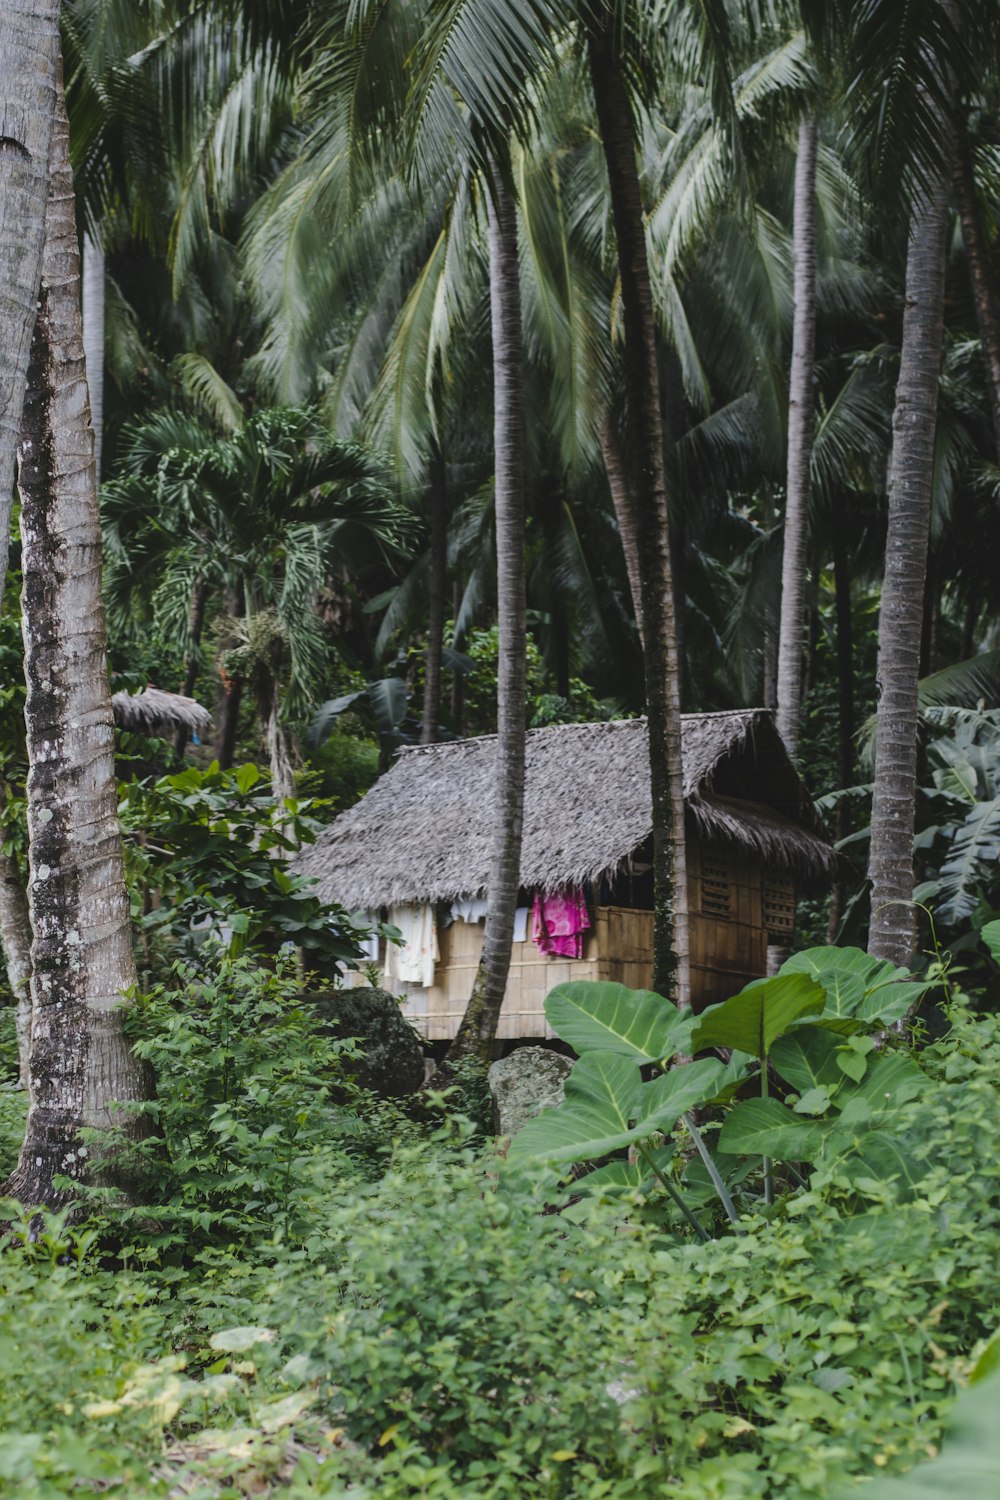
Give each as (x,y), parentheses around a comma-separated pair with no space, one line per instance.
(410,1322)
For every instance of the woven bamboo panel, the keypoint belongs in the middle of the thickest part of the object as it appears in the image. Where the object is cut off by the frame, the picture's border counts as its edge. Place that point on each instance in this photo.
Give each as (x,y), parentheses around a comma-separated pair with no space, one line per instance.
(437,1012)
(625,944)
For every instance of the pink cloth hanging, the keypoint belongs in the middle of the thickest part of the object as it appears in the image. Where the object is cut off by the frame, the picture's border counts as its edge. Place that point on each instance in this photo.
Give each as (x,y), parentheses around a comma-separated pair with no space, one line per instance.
(559,922)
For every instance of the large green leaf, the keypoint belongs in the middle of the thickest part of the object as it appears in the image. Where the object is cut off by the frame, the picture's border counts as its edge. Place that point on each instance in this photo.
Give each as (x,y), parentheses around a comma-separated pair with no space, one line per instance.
(753,1020)
(878,1156)
(807,1058)
(858,985)
(991,937)
(607,1107)
(599,1016)
(766,1127)
(892,1080)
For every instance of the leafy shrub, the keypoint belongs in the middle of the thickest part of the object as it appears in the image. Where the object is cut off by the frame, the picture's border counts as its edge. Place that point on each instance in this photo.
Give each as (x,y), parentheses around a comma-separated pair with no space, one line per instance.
(250,1133)
(215,849)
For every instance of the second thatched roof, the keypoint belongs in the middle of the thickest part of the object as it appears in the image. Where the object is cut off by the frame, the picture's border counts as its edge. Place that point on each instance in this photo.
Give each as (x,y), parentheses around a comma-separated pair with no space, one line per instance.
(154,711)
(423,832)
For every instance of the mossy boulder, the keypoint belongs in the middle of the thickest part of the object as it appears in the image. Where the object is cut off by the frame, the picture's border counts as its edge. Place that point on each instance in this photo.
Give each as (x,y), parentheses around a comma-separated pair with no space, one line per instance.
(391,1056)
(524,1083)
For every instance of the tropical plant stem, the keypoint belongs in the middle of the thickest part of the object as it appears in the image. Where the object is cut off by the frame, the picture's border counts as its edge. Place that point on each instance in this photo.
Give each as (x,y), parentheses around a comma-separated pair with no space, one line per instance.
(664,1181)
(720,1187)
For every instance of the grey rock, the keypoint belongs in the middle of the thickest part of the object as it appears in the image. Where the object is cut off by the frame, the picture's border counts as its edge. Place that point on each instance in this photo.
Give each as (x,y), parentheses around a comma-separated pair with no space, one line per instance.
(391,1057)
(524,1083)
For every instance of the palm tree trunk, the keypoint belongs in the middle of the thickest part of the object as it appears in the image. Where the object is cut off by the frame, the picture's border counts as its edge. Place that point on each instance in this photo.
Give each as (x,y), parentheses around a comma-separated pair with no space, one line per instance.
(29,47)
(614,114)
(845,707)
(436,597)
(81,956)
(457,677)
(276,738)
(93,339)
(909,500)
(984,296)
(624,506)
(230,696)
(15,941)
(479,1024)
(196,624)
(800,436)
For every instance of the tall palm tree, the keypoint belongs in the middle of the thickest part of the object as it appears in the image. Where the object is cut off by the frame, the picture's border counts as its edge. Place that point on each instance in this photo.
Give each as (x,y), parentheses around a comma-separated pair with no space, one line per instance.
(801,420)
(910,479)
(81,1064)
(615,117)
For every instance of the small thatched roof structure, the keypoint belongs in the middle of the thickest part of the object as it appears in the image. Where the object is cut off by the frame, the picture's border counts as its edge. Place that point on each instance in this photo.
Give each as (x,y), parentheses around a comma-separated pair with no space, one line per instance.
(423,832)
(155,712)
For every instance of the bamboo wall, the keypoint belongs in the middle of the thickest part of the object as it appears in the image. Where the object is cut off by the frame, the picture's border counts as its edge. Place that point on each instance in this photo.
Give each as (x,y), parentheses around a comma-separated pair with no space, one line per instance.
(735,911)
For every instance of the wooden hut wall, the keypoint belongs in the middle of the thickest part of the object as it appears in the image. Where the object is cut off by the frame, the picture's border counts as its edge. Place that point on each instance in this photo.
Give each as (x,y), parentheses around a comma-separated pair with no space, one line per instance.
(735,910)
(728,938)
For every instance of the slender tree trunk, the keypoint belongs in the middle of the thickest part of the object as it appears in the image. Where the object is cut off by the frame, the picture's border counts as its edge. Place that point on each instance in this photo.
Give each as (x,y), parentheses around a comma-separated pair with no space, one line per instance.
(845,707)
(909,498)
(984,295)
(228,716)
(15,940)
(230,698)
(196,624)
(800,437)
(614,114)
(279,751)
(457,677)
(81,957)
(624,506)
(436,597)
(479,1024)
(93,339)
(29,47)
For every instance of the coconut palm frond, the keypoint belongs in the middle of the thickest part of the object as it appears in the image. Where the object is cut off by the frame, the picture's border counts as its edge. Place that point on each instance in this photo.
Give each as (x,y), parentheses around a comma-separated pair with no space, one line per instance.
(964,684)
(208,392)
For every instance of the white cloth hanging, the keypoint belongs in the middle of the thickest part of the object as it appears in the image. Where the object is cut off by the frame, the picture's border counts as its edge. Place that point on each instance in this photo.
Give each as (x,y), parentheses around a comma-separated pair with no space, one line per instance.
(369,944)
(469,909)
(521,924)
(414,963)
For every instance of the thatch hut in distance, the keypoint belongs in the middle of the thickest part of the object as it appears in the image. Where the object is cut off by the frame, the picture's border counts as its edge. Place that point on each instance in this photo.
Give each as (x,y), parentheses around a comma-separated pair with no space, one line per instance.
(157,712)
(422,835)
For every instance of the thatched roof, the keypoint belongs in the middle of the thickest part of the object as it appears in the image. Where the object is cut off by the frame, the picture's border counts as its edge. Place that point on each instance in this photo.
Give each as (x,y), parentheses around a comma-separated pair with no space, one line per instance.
(155,712)
(423,832)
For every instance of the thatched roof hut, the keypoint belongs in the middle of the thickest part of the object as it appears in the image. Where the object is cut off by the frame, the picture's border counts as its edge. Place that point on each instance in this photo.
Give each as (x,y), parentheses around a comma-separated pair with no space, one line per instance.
(423,832)
(156,712)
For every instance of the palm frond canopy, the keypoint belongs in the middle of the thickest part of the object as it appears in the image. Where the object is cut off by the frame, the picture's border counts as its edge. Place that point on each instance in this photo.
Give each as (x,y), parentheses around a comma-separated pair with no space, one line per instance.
(154,711)
(423,832)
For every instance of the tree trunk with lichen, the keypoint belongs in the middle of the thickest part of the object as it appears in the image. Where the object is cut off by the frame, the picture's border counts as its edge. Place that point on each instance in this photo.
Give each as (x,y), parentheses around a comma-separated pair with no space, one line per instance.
(15,941)
(29,47)
(479,1024)
(81,1064)
(276,738)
